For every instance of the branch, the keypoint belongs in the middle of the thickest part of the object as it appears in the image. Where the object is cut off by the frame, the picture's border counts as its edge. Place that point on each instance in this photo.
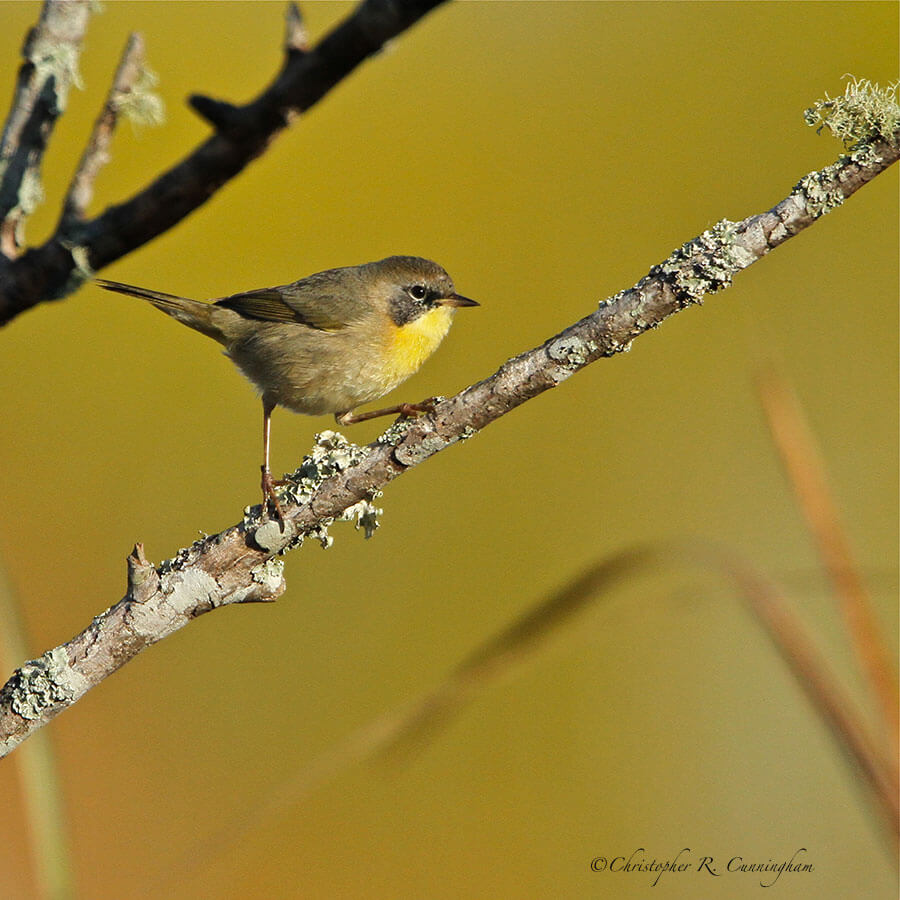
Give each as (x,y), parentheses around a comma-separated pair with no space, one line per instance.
(341,480)
(122,93)
(79,248)
(51,52)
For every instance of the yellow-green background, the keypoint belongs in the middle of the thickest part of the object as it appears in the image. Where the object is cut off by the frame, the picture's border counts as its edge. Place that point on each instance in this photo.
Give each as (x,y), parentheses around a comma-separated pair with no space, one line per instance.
(547,154)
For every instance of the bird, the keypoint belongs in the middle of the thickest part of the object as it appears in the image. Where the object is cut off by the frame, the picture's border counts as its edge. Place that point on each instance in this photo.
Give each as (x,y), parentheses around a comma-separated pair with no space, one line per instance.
(328,343)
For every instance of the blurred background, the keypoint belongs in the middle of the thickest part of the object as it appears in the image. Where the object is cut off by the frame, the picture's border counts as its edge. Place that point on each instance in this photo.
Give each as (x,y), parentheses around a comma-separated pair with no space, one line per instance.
(547,154)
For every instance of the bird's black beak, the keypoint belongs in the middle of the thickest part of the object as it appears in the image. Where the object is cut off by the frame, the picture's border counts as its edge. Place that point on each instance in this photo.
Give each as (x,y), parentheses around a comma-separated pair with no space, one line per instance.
(457,300)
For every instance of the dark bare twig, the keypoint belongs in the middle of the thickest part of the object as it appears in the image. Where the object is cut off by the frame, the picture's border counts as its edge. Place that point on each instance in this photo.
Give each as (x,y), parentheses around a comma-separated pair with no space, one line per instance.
(240,564)
(51,53)
(62,264)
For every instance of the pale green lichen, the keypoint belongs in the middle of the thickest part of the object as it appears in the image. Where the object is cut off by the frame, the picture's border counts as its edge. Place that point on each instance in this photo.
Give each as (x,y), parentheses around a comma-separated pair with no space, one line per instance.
(570,351)
(331,454)
(364,515)
(40,684)
(705,264)
(80,272)
(866,112)
(142,105)
(184,557)
(865,155)
(31,192)
(821,189)
(273,536)
(395,432)
(59,61)
(269,574)
(319,533)
(55,70)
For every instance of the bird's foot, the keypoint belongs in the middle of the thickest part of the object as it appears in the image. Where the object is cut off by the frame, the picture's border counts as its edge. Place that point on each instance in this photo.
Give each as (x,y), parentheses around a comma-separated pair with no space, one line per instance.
(407,410)
(411,410)
(268,485)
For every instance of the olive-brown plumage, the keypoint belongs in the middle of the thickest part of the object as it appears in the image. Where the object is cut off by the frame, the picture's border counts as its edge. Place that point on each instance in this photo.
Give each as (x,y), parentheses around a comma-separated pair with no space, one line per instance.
(329,342)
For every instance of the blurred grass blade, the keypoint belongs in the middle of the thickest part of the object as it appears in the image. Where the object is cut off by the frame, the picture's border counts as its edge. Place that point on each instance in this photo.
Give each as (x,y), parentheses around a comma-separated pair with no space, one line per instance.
(37,771)
(812,670)
(409,725)
(513,645)
(791,638)
(806,472)
(413,725)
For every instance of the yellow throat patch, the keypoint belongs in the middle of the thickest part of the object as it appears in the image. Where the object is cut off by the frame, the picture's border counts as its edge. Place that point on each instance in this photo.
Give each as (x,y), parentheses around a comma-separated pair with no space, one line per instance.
(411,344)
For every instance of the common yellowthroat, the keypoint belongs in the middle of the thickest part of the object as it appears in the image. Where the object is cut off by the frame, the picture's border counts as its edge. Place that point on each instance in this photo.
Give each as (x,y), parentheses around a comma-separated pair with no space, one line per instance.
(329,342)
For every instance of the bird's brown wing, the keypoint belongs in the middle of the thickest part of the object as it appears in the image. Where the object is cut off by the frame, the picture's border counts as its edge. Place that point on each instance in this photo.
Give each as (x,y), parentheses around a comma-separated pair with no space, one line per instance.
(278,305)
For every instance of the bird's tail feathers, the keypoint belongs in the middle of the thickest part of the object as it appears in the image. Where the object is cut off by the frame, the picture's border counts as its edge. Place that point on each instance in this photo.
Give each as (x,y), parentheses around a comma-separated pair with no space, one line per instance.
(193,313)
(157,298)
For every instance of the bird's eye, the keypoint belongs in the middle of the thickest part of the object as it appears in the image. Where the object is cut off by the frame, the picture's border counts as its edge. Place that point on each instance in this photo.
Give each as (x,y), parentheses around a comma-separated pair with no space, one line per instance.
(418,292)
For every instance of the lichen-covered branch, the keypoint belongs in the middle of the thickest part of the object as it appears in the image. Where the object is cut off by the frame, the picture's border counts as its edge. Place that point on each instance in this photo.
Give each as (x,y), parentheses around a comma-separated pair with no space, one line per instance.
(49,69)
(127,95)
(81,247)
(340,480)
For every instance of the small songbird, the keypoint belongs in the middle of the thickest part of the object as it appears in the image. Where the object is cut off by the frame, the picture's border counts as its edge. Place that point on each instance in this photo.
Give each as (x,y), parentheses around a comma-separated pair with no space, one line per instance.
(329,342)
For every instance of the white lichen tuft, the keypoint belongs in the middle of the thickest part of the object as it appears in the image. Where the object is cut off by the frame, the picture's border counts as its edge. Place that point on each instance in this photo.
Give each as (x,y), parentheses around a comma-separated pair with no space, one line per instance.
(56,60)
(142,105)
(80,257)
(364,515)
(320,533)
(866,112)
(31,192)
